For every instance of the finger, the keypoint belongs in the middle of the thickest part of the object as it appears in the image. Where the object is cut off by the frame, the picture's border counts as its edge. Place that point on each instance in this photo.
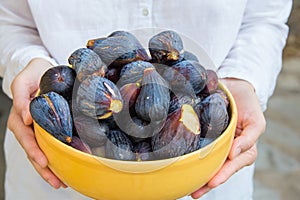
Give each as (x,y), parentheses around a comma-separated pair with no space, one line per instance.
(232,166)
(203,190)
(25,136)
(22,98)
(48,175)
(247,138)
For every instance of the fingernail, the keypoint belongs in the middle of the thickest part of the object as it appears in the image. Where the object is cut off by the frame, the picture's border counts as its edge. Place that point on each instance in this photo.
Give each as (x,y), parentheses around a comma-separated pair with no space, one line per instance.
(236,152)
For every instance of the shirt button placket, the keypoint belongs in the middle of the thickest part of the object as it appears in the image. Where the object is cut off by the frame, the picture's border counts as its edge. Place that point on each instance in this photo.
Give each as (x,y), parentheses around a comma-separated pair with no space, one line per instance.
(146,12)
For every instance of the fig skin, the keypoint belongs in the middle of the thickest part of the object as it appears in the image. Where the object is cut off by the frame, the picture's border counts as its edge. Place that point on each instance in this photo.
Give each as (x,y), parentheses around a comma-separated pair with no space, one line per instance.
(133,72)
(122,33)
(166,48)
(211,84)
(51,111)
(98,97)
(153,100)
(178,100)
(179,136)
(110,122)
(213,115)
(113,74)
(223,95)
(80,145)
(137,128)
(86,63)
(119,50)
(143,151)
(129,93)
(190,56)
(186,77)
(118,146)
(59,79)
(99,151)
(90,130)
(92,43)
(204,142)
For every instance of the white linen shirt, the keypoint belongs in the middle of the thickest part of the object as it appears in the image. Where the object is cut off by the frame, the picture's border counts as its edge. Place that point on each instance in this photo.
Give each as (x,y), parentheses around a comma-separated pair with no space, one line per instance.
(243,38)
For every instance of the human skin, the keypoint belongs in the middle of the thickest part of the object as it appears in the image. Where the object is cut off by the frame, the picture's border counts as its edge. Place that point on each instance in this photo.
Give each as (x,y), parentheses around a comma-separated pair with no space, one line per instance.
(251,124)
(23,89)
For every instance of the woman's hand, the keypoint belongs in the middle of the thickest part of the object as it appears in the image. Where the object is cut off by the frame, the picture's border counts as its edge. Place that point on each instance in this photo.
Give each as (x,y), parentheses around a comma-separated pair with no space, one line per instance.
(251,124)
(23,88)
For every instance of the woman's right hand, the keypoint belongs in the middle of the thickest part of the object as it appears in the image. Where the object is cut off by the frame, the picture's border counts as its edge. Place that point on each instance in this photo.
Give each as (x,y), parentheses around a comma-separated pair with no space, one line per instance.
(23,89)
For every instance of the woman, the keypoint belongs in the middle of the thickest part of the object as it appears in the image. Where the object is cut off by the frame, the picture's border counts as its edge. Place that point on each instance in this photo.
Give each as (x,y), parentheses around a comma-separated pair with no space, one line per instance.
(243,38)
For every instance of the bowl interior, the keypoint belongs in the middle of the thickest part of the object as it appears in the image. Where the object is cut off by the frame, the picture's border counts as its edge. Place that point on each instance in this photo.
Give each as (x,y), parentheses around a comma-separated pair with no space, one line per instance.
(138,166)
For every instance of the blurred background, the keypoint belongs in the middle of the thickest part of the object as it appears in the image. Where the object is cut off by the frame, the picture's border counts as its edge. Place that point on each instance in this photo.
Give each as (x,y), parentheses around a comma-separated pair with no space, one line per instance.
(277,173)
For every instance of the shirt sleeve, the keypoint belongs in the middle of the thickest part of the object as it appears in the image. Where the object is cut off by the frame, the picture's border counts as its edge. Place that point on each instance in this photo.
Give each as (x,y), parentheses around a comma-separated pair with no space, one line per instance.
(19,41)
(257,53)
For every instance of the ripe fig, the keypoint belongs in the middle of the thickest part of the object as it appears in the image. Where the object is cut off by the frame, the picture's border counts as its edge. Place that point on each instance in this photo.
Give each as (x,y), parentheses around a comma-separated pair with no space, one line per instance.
(204,142)
(178,100)
(98,97)
(99,151)
(140,51)
(166,48)
(86,63)
(138,128)
(154,98)
(179,136)
(129,93)
(80,145)
(59,79)
(122,33)
(110,122)
(143,151)
(118,50)
(51,111)
(91,130)
(113,74)
(211,84)
(118,146)
(186,75)
(223,95)
(92,43)
(133,72)
(213,116)
(190,56)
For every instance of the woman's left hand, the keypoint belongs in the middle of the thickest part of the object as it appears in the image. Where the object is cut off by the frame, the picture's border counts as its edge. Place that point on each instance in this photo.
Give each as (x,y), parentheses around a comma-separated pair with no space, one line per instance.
(251,124)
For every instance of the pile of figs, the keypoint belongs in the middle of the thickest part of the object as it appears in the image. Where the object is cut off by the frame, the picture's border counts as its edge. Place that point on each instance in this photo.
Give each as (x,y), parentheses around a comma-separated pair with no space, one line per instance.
(118,100)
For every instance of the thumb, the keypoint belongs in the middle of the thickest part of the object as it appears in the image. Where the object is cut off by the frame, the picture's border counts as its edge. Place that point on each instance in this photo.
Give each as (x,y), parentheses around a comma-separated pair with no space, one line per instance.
(247,139)
(21,99)
(26,116)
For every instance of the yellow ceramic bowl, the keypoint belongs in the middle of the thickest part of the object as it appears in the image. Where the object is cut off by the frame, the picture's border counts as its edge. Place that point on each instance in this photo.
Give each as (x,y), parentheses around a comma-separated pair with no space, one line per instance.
(107,179)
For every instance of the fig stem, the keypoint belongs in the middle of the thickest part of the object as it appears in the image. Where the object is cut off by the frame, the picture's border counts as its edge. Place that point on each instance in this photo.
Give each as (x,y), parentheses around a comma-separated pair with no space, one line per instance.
(68,139)
(105,116)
